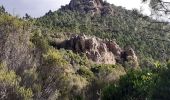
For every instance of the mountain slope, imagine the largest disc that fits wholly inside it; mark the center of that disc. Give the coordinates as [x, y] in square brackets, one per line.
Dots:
[32, 68]
[50, 58]
[99, 18]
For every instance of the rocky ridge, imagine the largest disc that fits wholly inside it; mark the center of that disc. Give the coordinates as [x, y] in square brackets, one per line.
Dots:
[90, 6]
[100, 51]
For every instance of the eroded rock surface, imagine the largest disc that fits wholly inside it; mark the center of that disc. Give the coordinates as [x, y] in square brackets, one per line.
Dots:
[100, 51]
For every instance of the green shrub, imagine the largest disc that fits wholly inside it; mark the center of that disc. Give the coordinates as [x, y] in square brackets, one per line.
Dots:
[86, 72]
[30, 79]
[26, 94]
[162, 89]
[8, 77]
[40, 41]
[11, 83]
[106, 71]
[133, 86]
[9, 23]
[54, 57]
[75, 59]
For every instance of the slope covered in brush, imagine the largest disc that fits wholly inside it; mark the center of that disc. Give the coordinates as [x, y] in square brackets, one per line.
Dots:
[149, 38]
[30, 68]
[39, 60]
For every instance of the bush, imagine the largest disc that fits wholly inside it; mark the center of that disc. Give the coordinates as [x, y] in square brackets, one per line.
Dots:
[10, 86]
[107, 72]
[162, 89]
[75, 59]
[54, 57]
[85, 72]
[40, 41]
[9, 23]
[133, 86]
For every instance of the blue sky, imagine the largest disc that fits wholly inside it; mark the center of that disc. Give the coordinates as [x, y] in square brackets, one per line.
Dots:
[38, 8]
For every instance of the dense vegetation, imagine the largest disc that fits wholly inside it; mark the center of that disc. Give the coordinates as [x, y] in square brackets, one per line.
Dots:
[135, 85]
[127, 27]
[59, 74]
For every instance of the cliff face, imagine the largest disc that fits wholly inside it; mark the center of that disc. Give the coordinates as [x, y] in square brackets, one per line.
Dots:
[100, 51]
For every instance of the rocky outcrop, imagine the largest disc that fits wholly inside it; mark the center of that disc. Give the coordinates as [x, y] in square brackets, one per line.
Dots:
[100, 51]
[131, 57]
[90, 6]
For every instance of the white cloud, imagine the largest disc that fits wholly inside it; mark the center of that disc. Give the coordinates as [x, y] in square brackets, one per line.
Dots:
[130, 4]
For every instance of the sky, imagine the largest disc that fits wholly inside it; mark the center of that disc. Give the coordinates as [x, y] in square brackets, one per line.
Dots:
[37, 8]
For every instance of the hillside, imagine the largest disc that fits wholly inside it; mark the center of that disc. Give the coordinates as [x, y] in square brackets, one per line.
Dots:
[105, 20]
[32, 68]
[86, 50]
